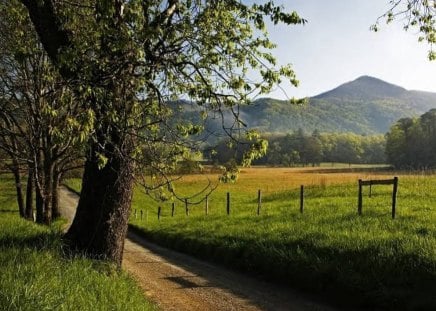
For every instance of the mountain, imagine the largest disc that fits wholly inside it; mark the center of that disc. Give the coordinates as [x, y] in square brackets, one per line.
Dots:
[364, 87]
[366, 105]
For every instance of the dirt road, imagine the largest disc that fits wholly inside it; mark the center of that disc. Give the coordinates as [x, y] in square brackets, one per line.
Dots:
[178, 282]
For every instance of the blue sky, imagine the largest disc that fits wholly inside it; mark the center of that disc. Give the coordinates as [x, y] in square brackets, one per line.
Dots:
[336, 46]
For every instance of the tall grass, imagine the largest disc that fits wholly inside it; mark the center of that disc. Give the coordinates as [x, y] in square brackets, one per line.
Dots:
[370, 261]
[35, 274]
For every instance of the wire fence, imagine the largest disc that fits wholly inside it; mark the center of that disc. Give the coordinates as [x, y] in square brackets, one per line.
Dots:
[300, 197]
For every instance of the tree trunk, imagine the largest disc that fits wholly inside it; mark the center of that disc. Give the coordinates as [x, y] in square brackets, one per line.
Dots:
[17, 177]
[100, 225]
[56, 213]
[48, 191]
[39, 188]
[39, 204]
[29, 194]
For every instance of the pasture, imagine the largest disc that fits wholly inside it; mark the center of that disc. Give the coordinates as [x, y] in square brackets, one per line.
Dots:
[369, 260]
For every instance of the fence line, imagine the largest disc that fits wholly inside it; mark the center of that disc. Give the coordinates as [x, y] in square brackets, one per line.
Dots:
[361, 184]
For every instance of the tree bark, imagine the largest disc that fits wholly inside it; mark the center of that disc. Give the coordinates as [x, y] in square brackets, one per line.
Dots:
[39, 187]
[56, 213]
[29, 193]
[48, 191]
[18, 187]
[39, 204]
[100, 225]
[49, 27]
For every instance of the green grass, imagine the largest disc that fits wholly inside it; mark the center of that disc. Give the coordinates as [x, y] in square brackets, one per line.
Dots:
[370, 261]
[36, 275]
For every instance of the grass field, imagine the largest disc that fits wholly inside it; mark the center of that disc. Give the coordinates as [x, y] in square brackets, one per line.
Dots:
[36, 275]
[370, 261]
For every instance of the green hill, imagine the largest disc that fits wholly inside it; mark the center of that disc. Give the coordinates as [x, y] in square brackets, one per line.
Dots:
[365, 106]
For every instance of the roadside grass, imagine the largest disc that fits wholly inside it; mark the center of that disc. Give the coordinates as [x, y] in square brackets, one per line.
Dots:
[35, 274]
[369, 261]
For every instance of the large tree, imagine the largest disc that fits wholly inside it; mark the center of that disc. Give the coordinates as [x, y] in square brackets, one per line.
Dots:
[126, 61]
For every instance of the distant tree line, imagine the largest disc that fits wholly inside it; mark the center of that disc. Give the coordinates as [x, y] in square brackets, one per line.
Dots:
[411, 143]
[299, 148]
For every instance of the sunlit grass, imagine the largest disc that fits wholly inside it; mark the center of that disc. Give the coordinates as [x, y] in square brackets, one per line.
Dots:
[35, 274]
[369, 260]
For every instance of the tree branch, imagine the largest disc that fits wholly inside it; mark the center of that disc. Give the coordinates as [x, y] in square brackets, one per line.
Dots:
[50, 31]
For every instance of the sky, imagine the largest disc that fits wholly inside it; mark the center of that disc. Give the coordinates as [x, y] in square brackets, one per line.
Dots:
[337, 46]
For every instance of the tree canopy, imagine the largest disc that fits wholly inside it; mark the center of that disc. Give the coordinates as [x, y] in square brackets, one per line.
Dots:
[125, 63]
[410, 143]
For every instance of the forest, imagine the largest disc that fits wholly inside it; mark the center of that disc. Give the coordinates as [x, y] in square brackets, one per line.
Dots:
[298, 148]
[411, 144]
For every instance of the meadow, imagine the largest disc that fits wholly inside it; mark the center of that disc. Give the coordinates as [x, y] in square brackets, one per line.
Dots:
[368, 261]
[36, 274]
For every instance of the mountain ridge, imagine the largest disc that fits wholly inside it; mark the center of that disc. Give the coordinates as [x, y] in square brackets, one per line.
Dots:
[366, 105]
[379, 88]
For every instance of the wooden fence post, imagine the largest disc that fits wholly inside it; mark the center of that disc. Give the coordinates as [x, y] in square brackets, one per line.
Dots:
[359, 199]
[301, 199]
[158, 212]
[394, 196]
[141, 214]
[259, 201]
[186, 207]
[207, 205]
[228, 203]
[173, 207]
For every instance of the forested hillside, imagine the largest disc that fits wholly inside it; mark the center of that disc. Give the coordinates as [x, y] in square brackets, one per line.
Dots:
[364, 106]
[352, 119]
